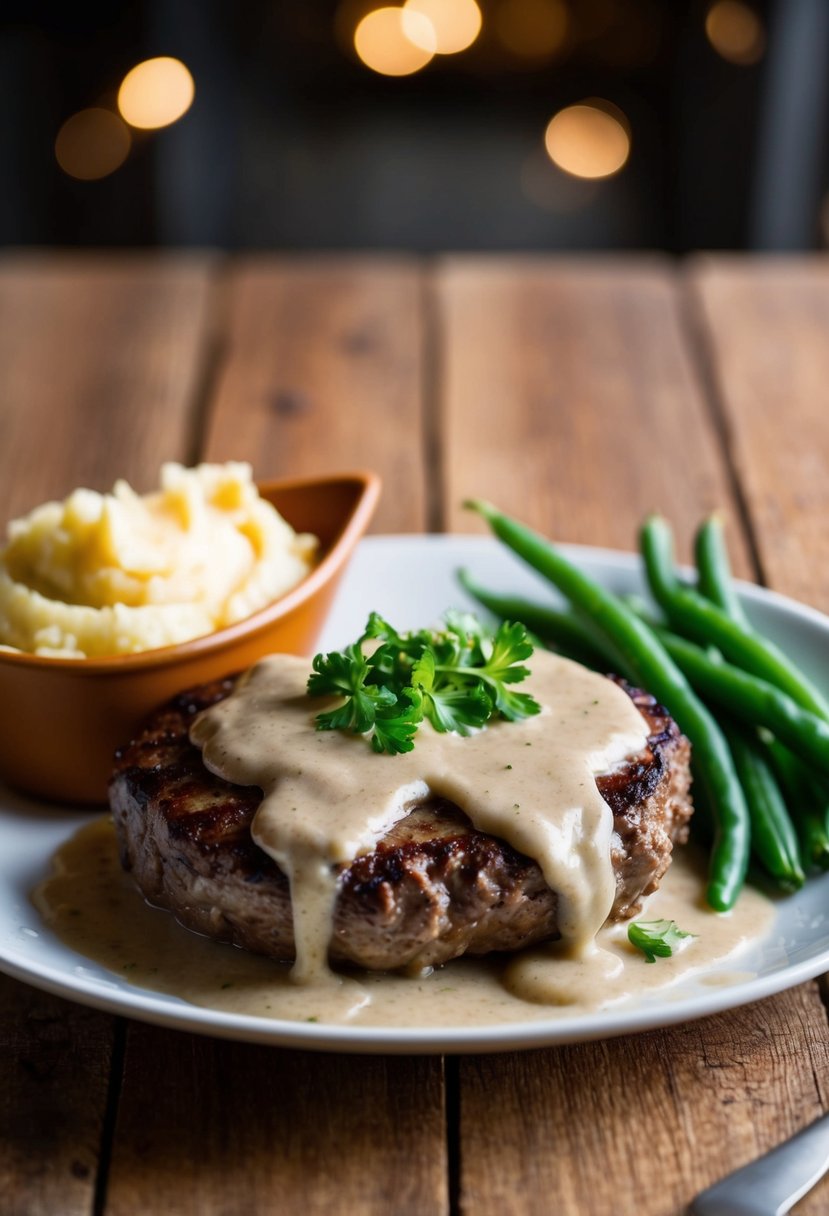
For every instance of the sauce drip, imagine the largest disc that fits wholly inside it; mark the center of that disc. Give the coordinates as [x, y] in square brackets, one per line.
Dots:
[328, 797]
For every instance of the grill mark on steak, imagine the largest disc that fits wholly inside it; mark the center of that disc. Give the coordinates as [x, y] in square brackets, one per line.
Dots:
[433, 888]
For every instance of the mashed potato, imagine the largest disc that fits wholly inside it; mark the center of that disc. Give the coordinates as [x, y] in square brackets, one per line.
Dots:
[105, 574]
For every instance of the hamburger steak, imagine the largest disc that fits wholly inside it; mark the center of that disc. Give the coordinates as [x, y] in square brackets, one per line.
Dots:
[433, 888]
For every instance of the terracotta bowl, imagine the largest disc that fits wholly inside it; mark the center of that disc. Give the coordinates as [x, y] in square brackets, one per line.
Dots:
[64, 718]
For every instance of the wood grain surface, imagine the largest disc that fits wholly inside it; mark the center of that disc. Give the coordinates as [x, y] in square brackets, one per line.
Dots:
[100, 366]
[569, 397]
[223, 1127]
[322, 370]
[55, 1064]
[764, 327]
[577, 394]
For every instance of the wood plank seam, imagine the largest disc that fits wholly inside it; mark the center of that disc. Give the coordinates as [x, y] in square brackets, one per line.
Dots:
[711, 389]
[452, 1120]
[110, 1121]
[212, 356]
[313, 345]
[432, 372]
[766, 321]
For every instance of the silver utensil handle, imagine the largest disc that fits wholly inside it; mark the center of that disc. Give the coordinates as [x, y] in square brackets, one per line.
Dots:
[772, 1184]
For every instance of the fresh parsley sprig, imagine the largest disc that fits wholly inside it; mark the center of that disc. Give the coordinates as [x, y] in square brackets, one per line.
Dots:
[455, 678]
[656, 938]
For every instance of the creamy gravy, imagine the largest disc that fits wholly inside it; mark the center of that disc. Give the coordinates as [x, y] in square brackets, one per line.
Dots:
[328, 797]
[96, 910]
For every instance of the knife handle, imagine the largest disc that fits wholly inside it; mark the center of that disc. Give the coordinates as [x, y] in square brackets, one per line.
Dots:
[772, 1184]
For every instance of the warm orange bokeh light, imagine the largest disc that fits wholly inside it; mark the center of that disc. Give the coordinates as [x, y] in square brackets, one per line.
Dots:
[735, 32]
[591, 139]
[455, 24]
[156, 93]
[533, 29]
[92, 144]
[383, 40]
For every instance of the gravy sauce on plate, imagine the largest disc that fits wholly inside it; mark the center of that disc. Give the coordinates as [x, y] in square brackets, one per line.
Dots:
[329, 797]
[94, 908]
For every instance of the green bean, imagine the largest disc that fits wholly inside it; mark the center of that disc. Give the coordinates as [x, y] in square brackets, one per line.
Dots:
[813, 827]
[689, 613]
[808, 800]
[651, 667]
[755, 702]
[773, 837]
[714, 570]
[803, 791]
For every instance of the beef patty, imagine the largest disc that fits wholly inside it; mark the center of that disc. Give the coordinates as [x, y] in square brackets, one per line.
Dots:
[432, 889]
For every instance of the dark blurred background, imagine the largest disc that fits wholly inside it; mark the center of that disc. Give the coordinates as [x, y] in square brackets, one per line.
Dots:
[508, 124]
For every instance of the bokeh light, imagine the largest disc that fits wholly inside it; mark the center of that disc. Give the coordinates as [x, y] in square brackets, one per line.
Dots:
[735, 32]
[591, 139]
[532, 29]
[384, 41]
[455, 24]
[92, 144]
[156, 93]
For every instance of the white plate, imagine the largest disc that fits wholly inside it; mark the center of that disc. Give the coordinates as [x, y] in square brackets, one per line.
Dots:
[411, 580]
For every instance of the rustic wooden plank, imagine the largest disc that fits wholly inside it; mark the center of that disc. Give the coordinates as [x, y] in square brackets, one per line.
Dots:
[570, 400]
[322, 371]
[54, 1070]
[570, 397]
[238, 1128]
[764, 325]
[320, 368]
[100, 362]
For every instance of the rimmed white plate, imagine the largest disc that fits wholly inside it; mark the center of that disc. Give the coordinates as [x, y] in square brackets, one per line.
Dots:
[411, 580]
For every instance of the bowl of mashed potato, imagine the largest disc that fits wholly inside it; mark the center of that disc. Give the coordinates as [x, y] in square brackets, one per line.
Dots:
[110, 603]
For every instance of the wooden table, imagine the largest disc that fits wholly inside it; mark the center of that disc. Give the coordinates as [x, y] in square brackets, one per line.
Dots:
[578, 394]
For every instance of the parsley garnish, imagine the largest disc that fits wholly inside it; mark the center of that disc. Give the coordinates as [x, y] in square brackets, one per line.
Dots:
[456, 678]
[656, 938]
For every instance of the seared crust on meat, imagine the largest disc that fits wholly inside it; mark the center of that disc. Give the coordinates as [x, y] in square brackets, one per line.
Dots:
[432, 889]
